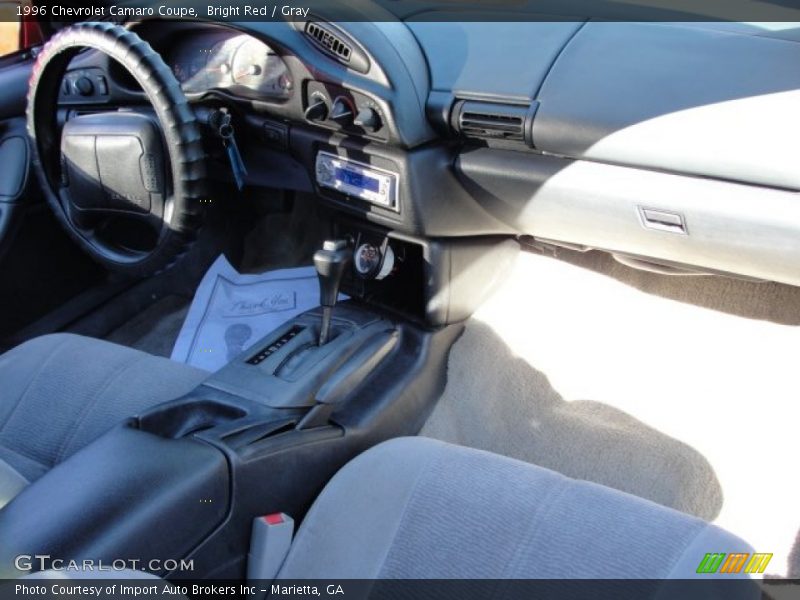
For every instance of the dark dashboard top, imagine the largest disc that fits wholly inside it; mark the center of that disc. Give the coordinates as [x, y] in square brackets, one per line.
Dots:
[275, 68]
[597, 90]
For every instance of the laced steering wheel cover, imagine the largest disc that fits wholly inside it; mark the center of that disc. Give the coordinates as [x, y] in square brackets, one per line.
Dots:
[182, 135]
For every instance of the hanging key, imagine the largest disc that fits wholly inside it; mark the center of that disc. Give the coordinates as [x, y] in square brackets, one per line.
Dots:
[222, 124]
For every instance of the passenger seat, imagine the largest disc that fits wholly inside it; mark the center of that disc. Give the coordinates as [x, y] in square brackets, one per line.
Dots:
[424, 509]
[417, 508]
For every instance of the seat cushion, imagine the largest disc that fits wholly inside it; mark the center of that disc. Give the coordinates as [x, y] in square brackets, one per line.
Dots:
[423, 509]
[59, 392]
[11, 483]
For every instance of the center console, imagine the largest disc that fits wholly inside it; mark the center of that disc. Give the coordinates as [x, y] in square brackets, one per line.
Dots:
[184, 480]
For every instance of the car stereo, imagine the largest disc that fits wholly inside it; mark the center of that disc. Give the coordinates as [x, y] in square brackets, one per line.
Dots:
[356, 179]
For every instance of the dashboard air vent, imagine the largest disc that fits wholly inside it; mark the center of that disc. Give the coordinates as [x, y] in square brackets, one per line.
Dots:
[493, 121]
[336, 45]
[329, 42]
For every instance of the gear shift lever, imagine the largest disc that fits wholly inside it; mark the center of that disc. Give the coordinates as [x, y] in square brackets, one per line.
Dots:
[330, 263]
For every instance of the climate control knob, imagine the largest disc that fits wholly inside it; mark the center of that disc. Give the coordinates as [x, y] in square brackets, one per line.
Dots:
[368, 119]
[342, 112]
[317, 110]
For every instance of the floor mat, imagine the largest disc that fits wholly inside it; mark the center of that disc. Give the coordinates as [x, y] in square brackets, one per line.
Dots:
[230, 311]
[690, 405]
[156, 328]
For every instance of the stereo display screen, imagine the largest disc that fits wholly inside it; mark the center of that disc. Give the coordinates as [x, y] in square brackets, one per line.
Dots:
[357, 180]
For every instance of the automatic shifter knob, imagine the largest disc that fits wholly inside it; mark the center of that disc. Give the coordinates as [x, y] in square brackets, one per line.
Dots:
[330, 263]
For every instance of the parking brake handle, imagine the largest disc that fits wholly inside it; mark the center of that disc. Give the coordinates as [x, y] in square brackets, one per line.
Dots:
[330, 263]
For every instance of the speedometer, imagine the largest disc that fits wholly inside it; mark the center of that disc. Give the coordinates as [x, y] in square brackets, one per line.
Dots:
[249, 62]
[258, 68]
[219, 63]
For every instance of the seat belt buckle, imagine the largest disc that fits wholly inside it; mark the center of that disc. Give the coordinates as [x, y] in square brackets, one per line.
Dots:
[270, 540]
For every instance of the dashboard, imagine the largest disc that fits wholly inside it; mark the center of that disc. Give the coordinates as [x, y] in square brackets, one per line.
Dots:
[235, 62]
[292, 73]
[434, 129]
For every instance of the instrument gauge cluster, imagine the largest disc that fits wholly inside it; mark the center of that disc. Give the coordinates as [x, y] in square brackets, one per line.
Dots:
[238, 63]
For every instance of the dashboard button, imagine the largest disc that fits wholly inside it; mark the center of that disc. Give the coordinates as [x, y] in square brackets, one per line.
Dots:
[276, 134]
[102, 85]
[84, 86]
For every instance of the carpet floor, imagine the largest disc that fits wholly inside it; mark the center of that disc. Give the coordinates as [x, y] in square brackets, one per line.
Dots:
[682, 390]
[156, 328]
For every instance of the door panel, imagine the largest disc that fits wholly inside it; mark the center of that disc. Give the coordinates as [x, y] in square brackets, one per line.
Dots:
[14, 83]
[40, 267]
[14, 147]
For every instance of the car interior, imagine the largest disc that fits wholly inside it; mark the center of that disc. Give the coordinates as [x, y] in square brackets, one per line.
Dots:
[554, 268]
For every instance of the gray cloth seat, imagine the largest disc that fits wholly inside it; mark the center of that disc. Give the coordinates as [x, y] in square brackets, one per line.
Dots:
[60, 392]
[424, 509]
[417, 508]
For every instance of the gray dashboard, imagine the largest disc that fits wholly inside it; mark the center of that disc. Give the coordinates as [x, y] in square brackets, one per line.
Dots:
[694, 122]
[708, 99]
[491, 60]
[671, 144]
[700, 100]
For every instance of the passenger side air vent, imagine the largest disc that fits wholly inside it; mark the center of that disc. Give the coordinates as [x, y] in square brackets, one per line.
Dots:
[336, 45]
[493, 121]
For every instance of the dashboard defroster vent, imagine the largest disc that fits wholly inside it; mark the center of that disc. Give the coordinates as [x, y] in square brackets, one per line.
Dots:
[336, 45]
[493, 121]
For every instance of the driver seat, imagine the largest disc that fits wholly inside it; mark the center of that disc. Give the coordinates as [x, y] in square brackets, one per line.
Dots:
[60, 392]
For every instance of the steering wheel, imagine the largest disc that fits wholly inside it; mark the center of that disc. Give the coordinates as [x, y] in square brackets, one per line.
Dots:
[126, 185]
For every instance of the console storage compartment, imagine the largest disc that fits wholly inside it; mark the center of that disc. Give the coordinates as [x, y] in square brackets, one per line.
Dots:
[129, 495]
